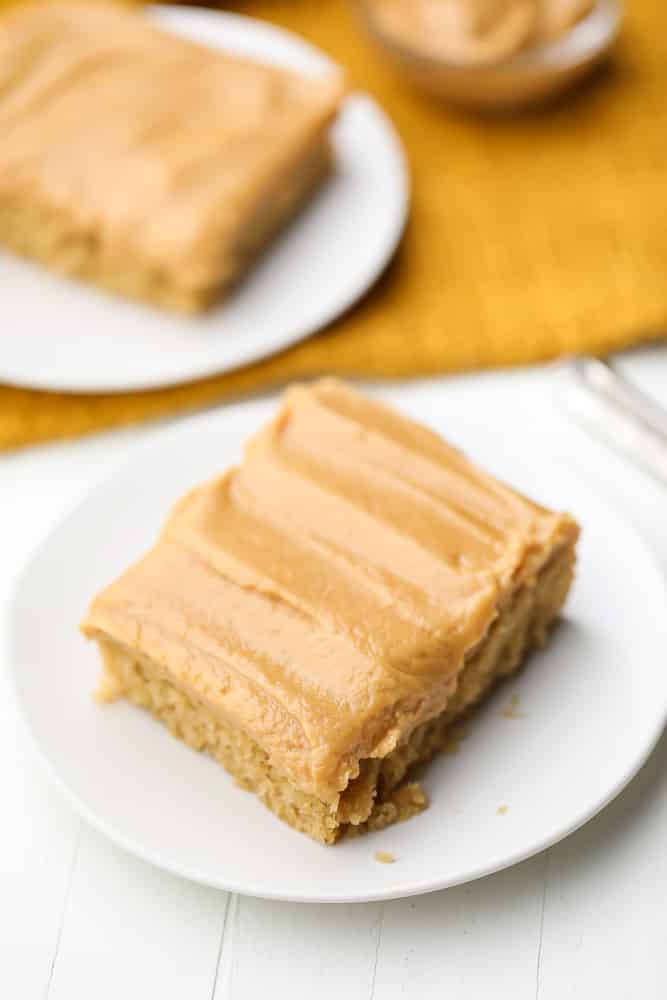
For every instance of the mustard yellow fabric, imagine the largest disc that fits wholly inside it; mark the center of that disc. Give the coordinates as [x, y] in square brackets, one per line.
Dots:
[529, 238]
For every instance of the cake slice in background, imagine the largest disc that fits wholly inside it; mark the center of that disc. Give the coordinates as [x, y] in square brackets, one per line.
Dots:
[142, 162]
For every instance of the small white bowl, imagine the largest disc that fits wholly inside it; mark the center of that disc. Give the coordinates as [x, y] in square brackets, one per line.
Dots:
[527, 78]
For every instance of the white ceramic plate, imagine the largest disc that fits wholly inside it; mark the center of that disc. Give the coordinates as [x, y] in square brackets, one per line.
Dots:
[62, 335]
[592, 704]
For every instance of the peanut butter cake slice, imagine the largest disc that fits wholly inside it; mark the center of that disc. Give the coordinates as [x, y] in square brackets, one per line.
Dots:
[143, 162]
[317, 618]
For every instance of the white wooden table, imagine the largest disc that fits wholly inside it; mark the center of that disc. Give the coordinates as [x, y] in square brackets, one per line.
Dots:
[81, 920]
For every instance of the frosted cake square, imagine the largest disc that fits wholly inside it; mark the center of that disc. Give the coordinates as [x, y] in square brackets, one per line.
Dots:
[317, 618]
[143, 162]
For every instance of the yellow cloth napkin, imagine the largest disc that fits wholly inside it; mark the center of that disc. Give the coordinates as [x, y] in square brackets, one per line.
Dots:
[529, 238]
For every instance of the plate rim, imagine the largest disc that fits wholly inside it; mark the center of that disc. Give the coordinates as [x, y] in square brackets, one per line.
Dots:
[171, 15]
[260, 891]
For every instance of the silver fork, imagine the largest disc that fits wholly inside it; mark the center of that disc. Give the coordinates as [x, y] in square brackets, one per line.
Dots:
[619, 413]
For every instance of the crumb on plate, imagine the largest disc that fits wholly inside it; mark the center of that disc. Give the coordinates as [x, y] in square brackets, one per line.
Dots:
[512, 710]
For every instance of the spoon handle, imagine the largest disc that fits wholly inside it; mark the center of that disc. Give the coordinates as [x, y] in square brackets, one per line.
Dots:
[619, 413]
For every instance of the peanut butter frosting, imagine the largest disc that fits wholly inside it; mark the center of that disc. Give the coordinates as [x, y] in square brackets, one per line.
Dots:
[322, 597]
[155, 145]
[477, 31]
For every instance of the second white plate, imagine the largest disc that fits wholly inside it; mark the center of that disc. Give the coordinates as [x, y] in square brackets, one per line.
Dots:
[592, 704]
[65, 336]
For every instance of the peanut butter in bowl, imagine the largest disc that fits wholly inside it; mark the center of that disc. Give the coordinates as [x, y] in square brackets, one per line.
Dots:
[472, 32]
[494, 53]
